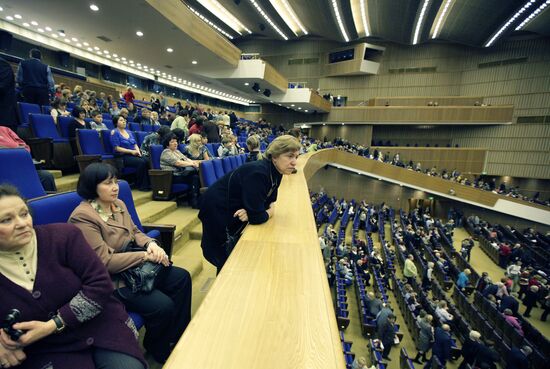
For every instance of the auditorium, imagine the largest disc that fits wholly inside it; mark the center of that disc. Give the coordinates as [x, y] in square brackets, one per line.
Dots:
[282, 184]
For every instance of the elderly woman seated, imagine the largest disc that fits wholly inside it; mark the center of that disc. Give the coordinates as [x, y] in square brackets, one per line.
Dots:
[66, 315]
[184, 169]
[108, 227]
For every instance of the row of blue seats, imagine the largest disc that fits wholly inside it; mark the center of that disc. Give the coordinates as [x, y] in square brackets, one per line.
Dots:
[212, 170]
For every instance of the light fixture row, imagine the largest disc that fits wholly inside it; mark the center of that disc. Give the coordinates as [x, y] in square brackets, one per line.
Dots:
[268, 19]
[60, 35]
[508, 23]
[210, 23]
[441, 18]
[339, 20]
[288, 15]
[419, 21]
[224, 15]
[533, 15]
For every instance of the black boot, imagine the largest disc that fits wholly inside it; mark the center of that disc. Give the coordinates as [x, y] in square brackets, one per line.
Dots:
[417, 358]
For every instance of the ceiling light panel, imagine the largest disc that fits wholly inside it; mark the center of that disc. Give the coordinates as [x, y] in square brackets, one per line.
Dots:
[360, 12]
[441, 17]
[224, 15]
[268, 19]
[420, 21]
[533, 15]
[289, 16]
[339, 20]
[509, 22]
[210, 23]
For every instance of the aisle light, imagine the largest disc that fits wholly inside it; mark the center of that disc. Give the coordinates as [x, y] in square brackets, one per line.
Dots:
[289, 16]
[509, 22]
[533, 15]
[339, 20]
[266, 17]
[439, 22]
[363, 7]
[224, 15]
[419, 21]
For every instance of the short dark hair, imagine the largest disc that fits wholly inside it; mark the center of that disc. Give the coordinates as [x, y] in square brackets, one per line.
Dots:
[94, 113]
[93, 175]
[57, 102]
[9, 190]
[169, 137]
[35, 53]
[183, 113]
[77, 110]
[180, 134]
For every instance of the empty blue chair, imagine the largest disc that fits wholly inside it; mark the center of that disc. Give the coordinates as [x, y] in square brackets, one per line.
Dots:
[109, 123]
[208, 175]
[89, 143]
[46, 109]
[63, 123]
[215, 147]
[24, 109]
[106, 139]
[161, 180]
[88, 120]
[147, 127]
[263, 146]
[234, 162]
[211, 149]
[44, 126]
[218, 168]
[140, 136]
[134, 126]
[19, 171]
[156, 127]
[106, 116]
[182, 147]
[226, 164]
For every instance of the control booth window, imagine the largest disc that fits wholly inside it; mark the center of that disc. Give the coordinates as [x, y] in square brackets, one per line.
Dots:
[339, 56]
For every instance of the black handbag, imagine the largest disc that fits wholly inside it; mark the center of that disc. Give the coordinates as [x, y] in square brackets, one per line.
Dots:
[140, 278]
[231, 239]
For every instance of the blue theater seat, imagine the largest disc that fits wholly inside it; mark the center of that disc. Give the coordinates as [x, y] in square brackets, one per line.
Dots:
[218, 168]
[109, 123]
[107, 116]
[140, 136]
[134, 126]
[207, 173]
[234, 162]
[226, 163]
[24, 109]
[63, 123]
[147, 128]
[48, 144]
[18, 170]
[46, 109]
[161, 180]
[43, 126]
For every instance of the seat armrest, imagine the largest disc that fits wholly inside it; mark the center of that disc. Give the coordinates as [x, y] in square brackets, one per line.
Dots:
[166, 235]
[41, 149]
[85, 160]
[161, 183]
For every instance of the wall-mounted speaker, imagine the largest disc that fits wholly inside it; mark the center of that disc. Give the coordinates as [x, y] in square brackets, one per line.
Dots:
[5, 40]
[256, 87]
[267, 92]
[262, 27]
[63, 59]
[106, 72]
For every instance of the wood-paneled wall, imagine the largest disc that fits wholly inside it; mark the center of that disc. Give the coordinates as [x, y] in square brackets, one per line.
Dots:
[357, 134]
[465, 160]
[424, 101]
[422, 114]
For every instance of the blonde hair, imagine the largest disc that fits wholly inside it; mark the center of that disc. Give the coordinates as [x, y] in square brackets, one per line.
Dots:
[282, 145]
[253, 144]
[195, 142]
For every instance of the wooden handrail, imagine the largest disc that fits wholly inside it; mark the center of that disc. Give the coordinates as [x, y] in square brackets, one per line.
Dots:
[270, 307]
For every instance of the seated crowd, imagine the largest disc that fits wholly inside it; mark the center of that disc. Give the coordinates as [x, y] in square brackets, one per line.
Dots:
[421, 239]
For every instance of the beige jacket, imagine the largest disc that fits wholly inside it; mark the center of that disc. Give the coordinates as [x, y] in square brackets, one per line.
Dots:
[108, 238]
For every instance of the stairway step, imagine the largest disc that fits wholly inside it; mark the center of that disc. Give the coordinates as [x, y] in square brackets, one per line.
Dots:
[196, 232]
[154, 210]
[141, 197]
[55, 173]
[67, 183]
[184, 218]
[189, 257]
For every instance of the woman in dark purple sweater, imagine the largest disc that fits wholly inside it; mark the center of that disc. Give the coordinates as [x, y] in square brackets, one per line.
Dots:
[69, 317]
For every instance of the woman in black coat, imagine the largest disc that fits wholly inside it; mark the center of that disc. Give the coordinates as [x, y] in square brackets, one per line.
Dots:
[244, 195]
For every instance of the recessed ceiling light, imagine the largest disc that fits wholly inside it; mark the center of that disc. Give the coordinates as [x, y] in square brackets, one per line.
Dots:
[94, 7]
[67, 40]
[292, 105]
[55, 35]
[299, 108]
[139, 33]
[115, 56]
[125, 62]
[105, 52]
[17, 16]
[90, 49]
[61, 33]
[79, 44]
[40, 30]
[123, 58]
[86, 44]
[306, 110]
[9, 17]
[74, 39]
[246, 84]
[138, 64]
[26, 24]
[49, 29]
[1, 9]
[194, 62]
[34, 23]
[108, 56]
[96, 48]
[170, 50]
